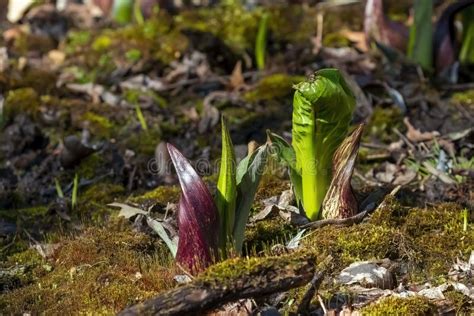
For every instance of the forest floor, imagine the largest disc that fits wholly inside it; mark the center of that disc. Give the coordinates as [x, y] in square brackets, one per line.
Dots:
[86, 107]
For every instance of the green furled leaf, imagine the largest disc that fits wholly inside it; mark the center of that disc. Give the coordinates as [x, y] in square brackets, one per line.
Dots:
[249, 172]
[340, 201]
[420, 44]
[261, 42]
[322, 112]
[226, 189]
[466, 55]
[286, 153]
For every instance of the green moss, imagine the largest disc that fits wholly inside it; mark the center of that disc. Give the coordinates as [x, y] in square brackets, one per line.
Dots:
[102, 193]
[102, 43]
[382, 123]
[270, 87]
[24, 212]
[76, 40]
[292, 23]
[335, 40]
[144, 142]
[42, 81]
[416, 306]
[233, 24]
[98, 124]
[464, 97]
[437, 234]
[224, 273]
[133, 55]
[459, 301]
[89, 166]
[23, 100]
[22, 268]
[262, 235]
[161, 195]
[428, 239]
[102, 270]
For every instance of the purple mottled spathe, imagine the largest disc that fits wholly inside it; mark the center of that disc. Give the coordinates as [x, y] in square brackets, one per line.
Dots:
[198, 220]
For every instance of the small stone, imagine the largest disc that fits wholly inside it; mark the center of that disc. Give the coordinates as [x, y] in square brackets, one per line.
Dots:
[367, 274]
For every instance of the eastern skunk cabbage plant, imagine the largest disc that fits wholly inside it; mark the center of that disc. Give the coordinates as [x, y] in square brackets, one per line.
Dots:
[322, 112]
[198, 219]
[212, 230]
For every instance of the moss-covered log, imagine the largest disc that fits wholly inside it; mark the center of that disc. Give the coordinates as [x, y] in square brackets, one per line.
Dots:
[230, 281]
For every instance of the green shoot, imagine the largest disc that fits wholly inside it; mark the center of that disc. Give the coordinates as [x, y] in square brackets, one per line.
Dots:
[59, 191]
[226, 190]
[261, 42]
[75, 188]
[140, 117]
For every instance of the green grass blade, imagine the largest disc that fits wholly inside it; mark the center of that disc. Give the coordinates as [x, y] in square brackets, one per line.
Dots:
[226, 189]
[140, 117]
[75, 188]
[59, 191]
[261, 42]
[420, 45]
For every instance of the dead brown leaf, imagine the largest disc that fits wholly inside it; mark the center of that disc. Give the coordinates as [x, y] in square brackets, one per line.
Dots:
[415, 135]
[236, 78]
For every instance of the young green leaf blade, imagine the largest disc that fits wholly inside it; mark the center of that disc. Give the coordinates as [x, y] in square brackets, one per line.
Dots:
[322, 112]
[340, 201]
[287, 154]
[226, 189]
[249, 173]
[420, 45]
[198, 218]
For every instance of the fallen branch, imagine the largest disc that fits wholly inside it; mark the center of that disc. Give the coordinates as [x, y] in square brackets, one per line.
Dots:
[350, 220]
[230, 281]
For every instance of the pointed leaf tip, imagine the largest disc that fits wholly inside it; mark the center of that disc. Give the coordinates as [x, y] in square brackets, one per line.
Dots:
[226, 189]
[340, 201]
[197, 246]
